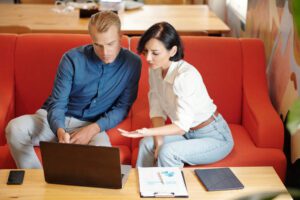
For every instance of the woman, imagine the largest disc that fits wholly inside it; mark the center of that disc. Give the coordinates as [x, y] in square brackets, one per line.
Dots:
[198, 134]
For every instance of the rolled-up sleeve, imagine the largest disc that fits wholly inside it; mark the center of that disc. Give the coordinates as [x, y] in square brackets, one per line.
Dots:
[185, 87]
[155, 106]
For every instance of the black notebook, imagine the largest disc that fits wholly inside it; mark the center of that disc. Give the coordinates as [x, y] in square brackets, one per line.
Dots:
[218, 179]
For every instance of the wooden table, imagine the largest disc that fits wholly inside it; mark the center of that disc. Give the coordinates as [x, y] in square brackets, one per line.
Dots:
[255, 180]
[187, 19]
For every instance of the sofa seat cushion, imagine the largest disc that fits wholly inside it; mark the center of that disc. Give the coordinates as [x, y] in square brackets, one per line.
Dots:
[245, 153]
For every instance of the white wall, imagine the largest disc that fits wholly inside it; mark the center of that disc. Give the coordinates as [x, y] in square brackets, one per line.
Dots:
[239, 7]
[218, 7]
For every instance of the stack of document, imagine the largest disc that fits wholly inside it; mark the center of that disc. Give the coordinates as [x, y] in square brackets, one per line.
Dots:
[161, 182]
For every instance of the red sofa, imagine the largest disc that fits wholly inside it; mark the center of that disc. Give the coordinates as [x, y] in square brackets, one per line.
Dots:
[233, 71]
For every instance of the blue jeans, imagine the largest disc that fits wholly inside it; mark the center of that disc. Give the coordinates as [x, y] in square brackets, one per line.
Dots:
[202, 146]
[24, 132]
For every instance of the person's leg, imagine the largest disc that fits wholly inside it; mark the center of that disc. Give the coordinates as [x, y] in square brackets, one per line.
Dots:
[23, 133]
[203, 146]
[100, 139]
[146, 153]
[146, 150]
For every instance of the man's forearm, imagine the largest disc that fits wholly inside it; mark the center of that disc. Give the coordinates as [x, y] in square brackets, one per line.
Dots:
[56, 120]
[112, 118]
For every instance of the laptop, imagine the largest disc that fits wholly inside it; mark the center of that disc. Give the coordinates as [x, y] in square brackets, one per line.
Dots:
[83, 165]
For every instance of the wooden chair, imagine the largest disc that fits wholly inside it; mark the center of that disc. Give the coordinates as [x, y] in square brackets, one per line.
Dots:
[14, 29]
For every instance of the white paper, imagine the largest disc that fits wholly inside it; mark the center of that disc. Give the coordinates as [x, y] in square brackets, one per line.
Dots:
[161, 181]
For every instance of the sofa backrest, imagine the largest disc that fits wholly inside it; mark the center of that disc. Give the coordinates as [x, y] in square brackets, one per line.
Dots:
[219, 61]
[140, 109]
[36, 61]
[7, 47]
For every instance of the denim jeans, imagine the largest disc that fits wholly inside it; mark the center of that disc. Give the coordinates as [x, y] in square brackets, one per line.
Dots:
[26, 131]
[202, 146]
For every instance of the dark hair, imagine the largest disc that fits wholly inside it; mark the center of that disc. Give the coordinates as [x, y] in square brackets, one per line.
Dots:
[165, 33]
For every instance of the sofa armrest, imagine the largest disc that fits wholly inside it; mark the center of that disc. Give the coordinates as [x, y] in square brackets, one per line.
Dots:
[259, 117]
[7, 47]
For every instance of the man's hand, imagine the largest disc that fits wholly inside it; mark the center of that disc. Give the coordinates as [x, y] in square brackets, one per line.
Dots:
[85, 134]
[63, 137]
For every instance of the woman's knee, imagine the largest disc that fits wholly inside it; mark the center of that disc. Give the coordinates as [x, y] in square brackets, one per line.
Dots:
[146, 142]
[230, 145]
[167, 156]
[166, 150]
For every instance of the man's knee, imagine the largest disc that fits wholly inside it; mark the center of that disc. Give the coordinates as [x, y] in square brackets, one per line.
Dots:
[14, 129]
[11, 129]
[100, 139]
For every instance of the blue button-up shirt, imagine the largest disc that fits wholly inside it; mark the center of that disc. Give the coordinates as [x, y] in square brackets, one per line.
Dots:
[90, 90]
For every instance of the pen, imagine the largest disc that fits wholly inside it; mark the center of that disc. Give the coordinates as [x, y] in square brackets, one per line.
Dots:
[161, 178]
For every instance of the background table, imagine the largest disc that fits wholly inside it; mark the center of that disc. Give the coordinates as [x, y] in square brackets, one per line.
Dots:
[187, 19]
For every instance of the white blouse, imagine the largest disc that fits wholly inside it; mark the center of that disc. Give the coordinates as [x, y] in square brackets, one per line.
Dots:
[181, 95]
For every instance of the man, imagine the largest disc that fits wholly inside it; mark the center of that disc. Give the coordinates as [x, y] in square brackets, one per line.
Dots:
[94, 89]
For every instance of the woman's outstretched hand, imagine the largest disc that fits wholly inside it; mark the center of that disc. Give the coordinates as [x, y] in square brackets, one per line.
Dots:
[133, 134]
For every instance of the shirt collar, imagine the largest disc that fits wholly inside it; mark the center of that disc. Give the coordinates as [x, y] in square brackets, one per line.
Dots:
[172, 72]
[116, 62]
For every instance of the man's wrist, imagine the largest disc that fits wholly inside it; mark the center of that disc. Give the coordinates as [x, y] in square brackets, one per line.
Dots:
[96, 127]
[60, 131]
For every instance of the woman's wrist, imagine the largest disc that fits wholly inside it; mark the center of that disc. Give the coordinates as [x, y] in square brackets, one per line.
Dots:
[144, 131]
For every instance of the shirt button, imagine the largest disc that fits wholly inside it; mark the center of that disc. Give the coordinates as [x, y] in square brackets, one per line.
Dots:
[94, 101]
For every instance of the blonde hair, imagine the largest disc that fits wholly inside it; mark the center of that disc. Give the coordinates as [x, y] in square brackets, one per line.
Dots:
[103, 20]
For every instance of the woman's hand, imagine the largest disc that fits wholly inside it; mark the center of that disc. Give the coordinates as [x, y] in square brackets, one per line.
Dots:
[134, 134]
